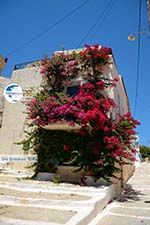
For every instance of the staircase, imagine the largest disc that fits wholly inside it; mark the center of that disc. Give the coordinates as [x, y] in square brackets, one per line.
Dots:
[28, 202]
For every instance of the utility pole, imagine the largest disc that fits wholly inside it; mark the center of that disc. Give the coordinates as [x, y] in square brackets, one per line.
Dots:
[148, 12]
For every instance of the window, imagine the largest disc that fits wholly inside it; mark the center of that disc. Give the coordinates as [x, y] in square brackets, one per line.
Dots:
[73, 88]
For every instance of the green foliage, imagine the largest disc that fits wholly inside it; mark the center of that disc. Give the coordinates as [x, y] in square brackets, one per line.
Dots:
[49, 145]
[56, 179]
[145, 151]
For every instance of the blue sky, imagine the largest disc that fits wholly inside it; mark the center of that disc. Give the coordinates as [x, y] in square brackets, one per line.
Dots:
[23, 20]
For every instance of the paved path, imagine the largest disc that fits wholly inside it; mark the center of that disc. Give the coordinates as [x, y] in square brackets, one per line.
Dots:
[133, 206]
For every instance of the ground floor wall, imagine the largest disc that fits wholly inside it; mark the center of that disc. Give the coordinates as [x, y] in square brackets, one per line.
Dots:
[14, 117]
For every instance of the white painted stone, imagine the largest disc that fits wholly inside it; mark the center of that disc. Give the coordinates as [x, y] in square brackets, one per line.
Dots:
[86, 209]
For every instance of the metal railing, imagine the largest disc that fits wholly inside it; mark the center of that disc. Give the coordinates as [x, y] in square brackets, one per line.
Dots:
[27, 65]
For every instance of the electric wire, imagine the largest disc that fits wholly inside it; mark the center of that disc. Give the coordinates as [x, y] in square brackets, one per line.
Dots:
[96, 22]
[49, 28]
[103, 19]
[138, 56]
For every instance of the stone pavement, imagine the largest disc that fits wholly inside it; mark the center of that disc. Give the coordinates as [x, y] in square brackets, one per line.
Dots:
[28, 202]
[133, 205]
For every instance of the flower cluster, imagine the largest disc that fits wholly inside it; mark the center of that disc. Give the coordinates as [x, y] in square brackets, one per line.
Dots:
[59, 69]
[96, 55]
[100, 142]
[88, 107]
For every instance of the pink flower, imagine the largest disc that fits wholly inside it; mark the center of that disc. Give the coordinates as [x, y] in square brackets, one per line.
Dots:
[33, 101]
[111, 142]
[66, 148]
[96, 149]
[100, 162]
[100, 85]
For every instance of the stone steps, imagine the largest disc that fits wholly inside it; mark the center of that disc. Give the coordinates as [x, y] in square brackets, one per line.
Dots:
[24, 201]
[133, 205]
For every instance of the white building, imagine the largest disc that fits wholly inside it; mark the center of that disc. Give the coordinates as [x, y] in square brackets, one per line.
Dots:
[28, 75]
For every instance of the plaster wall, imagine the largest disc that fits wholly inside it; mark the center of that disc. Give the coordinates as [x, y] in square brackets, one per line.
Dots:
[13, 122]
[118, 93]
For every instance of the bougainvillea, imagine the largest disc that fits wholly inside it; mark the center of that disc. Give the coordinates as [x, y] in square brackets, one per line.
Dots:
[101, 141]
[58, 70]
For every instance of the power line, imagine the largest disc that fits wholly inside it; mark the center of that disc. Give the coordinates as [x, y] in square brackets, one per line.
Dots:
[138, 56]
[97, 20]
[49, 28]
[103, 19]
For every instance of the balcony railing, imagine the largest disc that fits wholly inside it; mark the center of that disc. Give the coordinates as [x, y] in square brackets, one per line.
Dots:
[27, 65]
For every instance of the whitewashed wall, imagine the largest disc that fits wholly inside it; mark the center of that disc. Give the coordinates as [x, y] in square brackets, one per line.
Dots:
[13, 117]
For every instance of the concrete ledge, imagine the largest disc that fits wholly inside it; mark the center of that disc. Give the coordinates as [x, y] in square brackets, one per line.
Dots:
[70, 175]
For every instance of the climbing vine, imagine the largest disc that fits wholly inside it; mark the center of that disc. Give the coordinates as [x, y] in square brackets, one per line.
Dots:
[101, 140]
